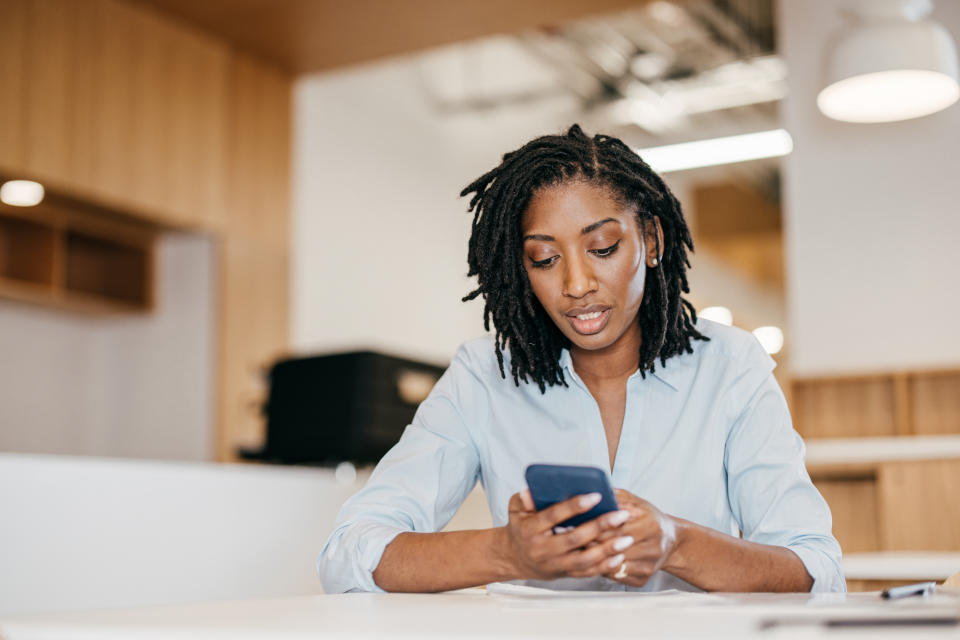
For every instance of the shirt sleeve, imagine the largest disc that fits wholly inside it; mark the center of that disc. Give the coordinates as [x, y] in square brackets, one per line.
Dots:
[770, 492]
[417, 486]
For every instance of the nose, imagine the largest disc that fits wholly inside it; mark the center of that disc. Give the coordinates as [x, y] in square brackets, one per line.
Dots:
[578, 278]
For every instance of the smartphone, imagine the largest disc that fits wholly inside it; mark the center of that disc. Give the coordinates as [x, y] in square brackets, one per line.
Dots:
[553, 483]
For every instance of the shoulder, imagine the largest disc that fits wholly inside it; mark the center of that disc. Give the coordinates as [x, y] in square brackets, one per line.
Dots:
[728, 355]
[737, 361]
[478, 358]
[730, 343]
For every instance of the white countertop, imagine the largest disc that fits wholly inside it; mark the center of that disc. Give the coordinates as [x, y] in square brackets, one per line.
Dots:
[901, 565]
[864, 450]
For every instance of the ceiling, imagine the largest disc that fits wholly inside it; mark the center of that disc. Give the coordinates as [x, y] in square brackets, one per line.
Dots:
[648, 71]
[303, 36]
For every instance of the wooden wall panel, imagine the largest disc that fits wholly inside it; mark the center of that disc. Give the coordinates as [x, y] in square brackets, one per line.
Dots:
[853, 503]
[118, 149]
[919, 505]
[161, 118]
[935, 402]
[254, 262]
[58, 90]
[845, 407]
[118, 105]
[13, 25]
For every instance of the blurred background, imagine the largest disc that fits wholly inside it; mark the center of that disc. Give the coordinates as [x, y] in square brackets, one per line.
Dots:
[232, 184]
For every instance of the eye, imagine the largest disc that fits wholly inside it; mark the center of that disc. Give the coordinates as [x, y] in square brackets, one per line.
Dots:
[542, 264]
[607, 251]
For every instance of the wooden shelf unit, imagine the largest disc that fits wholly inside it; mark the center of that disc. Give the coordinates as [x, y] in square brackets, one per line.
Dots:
[894, 502]
[901, 403]
[67, 256]
[893, 505]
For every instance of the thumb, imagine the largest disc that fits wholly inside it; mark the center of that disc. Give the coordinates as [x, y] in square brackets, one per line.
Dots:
[527, 500]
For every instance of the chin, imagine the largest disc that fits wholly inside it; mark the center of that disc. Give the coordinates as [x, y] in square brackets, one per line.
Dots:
[594, 342]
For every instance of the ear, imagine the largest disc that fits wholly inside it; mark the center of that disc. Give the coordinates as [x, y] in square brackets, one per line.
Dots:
[653, 239]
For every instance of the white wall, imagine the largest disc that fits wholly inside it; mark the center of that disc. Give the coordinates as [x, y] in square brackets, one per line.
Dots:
[123, 385]
[872, 220]
[380, 235]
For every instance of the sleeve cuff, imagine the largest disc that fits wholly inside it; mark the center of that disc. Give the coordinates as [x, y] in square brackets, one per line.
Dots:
[373, 539]
[825, 571]
[351, 555]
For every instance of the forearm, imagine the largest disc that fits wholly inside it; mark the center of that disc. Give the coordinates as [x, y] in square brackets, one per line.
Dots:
[715, 561]
[415, 562]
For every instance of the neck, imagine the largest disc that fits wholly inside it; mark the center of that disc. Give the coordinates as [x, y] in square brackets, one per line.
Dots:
[610, 364]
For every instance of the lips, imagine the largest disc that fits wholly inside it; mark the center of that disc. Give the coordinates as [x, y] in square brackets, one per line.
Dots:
[588, 320]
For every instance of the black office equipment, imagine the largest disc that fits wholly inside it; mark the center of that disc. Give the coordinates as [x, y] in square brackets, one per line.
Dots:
[347, 406]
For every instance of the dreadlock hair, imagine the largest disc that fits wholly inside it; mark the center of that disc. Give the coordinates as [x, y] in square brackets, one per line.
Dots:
[495, 256]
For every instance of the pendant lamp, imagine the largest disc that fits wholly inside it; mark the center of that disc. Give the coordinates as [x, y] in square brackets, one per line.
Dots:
[889, 62]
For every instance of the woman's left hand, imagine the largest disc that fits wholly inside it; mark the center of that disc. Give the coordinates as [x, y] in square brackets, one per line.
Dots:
[654, 538]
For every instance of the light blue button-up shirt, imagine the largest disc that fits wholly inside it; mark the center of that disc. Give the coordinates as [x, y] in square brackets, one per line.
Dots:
[707, 438]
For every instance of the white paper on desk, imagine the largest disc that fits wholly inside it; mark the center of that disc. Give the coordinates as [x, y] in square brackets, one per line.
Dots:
[630, 598]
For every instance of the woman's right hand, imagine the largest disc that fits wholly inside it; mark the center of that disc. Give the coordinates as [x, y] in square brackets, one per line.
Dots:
[535, 551]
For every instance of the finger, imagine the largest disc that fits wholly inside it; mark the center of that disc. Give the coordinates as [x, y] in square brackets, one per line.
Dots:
[590, 531]
[589, 565]
[561, 511]
[527, 500]
[516, 504]
[613, 520]
[633, 572]
[598, 559]
[645, 550]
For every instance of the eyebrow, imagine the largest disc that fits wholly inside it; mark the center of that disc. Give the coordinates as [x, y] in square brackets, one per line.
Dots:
[587, 229]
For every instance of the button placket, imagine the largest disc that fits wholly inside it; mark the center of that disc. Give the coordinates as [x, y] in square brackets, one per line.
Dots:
[593, 426]
[633, 412]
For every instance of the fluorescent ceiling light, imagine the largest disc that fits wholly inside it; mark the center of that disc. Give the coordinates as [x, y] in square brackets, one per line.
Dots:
[21, 193]
[717, 314]
[715, 151]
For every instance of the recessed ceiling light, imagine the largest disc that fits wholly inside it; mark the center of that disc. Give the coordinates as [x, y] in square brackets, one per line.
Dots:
[717, 314]
[771, 338]
[21, 193]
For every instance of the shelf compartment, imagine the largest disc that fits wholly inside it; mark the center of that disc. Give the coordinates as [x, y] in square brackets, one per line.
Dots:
[26, 251]
[107, 269]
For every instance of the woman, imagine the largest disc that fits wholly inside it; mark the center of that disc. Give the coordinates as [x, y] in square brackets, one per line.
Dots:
[579, 249]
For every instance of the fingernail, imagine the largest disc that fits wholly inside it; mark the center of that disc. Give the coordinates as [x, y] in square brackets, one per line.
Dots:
[616, 560]
[617, 518]
[622, 543]
[589, 500]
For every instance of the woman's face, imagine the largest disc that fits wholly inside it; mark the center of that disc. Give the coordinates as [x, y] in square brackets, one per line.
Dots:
[586, 261]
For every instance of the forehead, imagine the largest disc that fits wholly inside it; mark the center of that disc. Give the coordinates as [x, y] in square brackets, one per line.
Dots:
[571, 206]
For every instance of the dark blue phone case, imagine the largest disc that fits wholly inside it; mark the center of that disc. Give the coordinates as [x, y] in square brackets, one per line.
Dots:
[552, 483]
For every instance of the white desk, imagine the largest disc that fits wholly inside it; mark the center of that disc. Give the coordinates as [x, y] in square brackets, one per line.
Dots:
[474, 614]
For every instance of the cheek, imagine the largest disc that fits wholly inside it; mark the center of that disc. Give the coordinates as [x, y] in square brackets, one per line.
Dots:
[630, 278]
[538, 284]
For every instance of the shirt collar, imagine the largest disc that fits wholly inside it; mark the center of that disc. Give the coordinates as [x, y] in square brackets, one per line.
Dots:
[669, 375]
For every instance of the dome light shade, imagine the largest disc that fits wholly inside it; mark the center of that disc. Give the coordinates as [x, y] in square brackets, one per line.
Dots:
[21, 193]
[885, 66]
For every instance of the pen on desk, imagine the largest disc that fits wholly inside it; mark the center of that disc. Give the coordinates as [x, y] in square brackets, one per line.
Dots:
[919, 589]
